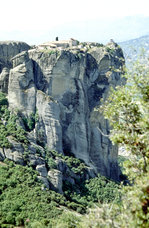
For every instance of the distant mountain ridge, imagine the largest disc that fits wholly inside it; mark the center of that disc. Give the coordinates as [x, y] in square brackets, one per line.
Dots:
[132, 48]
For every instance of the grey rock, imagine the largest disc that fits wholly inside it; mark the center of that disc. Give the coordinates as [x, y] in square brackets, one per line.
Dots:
[50, 131]
[21, 89]
[2, 154]
[4, 77]
[44, 181]
[15, 156]
[61, 165]
[55, 178]
[20, 58]
[34, 160]
[8, 49]
[42, 170]
[15, 153]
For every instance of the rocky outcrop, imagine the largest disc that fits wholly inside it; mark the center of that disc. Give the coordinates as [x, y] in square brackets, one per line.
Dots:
[64, 88]
[8, 49]
[21, 89]
[56, 179]
[4, 78]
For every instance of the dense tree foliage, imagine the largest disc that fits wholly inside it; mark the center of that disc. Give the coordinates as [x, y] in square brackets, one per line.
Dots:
[127, 109]
[23, 202]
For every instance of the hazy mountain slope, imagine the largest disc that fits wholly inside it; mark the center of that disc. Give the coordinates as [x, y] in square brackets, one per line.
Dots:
[132, 48]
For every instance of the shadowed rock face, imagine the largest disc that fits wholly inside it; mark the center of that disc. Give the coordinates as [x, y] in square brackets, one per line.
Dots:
[65, 87]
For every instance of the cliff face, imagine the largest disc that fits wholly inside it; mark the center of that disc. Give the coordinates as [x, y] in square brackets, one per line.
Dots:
[63, 86]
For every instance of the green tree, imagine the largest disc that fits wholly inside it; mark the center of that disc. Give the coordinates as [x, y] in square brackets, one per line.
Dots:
[127, 110]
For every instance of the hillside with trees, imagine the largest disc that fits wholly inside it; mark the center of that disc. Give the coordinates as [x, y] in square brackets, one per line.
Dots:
[41, 187]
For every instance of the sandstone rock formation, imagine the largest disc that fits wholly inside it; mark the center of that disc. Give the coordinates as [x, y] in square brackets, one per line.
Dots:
[63, 87]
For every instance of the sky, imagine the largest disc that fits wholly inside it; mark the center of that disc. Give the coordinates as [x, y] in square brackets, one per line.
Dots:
[38, 21]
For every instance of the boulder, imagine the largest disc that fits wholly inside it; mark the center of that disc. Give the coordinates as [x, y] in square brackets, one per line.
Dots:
[55, 178]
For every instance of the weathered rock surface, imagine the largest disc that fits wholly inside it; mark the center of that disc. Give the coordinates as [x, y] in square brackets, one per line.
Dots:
[22, 91]
[15, 153]
[4, 78]
[8, 49]
[55, 177]
[64, 87]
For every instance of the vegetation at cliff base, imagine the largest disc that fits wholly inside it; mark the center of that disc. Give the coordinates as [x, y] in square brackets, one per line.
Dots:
[22, 199]
[24, 202]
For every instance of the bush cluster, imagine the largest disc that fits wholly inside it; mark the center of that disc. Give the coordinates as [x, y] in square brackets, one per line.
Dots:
[23, 202]
[75, 164]
[29, 122]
